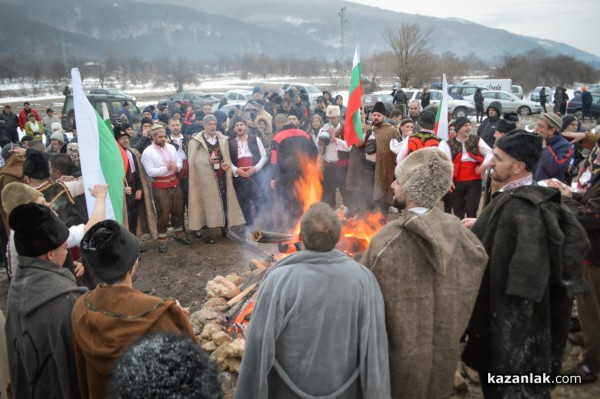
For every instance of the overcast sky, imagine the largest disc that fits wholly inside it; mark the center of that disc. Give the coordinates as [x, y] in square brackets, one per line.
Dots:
[568, 21]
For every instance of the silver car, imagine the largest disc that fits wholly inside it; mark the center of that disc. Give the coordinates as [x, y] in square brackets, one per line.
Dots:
[510, 102]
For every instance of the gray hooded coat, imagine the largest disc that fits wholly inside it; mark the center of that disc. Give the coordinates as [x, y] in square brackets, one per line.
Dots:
[317, 331]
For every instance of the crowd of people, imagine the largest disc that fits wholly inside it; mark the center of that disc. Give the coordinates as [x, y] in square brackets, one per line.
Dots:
[484, 262]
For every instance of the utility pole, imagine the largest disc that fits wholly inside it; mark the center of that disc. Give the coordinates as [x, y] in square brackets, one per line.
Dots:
[343, 20]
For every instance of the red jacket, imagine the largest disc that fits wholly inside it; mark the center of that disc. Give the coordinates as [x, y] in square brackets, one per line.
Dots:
[23, 117]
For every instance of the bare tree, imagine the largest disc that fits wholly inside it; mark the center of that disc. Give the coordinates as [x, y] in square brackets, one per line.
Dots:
[411, 52]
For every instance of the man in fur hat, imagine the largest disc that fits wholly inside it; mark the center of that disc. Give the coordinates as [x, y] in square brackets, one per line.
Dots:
[107, 320]
[429, 269]
[335, 156]
[161, 163]
[212, 200]
[248, 157]
[536, 248]
[40, 299]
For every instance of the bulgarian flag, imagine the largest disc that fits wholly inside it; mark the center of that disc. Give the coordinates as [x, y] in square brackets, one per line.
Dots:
[100, 154]
[441, 119]
[353, 125]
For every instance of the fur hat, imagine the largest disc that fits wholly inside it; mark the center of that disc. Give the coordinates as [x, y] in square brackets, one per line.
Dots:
[425, 176]
[209, 118]
[7, 150]
[157, 128]
[36, 166]
[58, 136]
[119, 132]
[333, 110]
[110, 250]
[56, 126]
[145, 120]
[379, 107]
[553, 120]
[505, 126]
[17, 193]
[459, 122]
[523, 146]
[37, 229]
[427, 121]
[73, 152]
[236, 119]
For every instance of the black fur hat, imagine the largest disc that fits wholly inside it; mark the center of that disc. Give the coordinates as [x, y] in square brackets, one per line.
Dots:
[379, 107]
[427, 121]
[36, 166]
[522, 145]
[37, 229]
[110, 250]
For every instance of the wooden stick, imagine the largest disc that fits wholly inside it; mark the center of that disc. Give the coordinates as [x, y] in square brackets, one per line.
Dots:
[239, 297]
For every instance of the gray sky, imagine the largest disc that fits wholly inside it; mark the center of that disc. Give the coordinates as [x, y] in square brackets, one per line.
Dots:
[575, 19]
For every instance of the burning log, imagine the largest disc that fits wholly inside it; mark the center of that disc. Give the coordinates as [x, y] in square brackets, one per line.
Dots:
[269, 237]
[241, 295]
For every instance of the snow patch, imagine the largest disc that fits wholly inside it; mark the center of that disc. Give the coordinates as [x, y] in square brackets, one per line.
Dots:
[545, 44]
[296, 21]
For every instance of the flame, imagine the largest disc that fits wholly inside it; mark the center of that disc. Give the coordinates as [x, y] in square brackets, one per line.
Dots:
[357, 232]
[308, 187]
[240, 323]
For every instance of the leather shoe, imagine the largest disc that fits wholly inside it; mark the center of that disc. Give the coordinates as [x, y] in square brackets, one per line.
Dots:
[162, 248]
[197, 233]
[183, 240]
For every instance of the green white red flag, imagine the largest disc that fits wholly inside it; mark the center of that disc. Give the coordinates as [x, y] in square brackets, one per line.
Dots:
[441, 119]
[99, 153]
[353, 125]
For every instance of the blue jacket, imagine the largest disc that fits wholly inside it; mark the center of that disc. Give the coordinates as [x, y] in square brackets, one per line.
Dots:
[586, 98]
[555, 159]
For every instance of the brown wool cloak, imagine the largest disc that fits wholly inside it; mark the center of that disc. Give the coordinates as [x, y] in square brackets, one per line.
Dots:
[107, 320]
[385, 162]
[429, 268]
[205, 206]
[147, 215]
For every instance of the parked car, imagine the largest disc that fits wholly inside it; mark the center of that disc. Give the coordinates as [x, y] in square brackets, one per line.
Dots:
[312, 90]
[510, 102]
[459, 92]
[238, 95]
[574, 106]
[535, 94]
[190, 97]
[369, 101]
[517, 91]
[112, 91]
[457, 108]
[99, 101]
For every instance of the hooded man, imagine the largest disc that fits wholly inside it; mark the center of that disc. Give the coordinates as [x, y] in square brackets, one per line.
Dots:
[108, 319]
[319, 289]
[212, 202]
[536, 247]
[429, 269]
[40, 298]
[488, 126]
[248, 157]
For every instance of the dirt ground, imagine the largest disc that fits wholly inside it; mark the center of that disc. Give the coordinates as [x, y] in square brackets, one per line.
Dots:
[183, 272]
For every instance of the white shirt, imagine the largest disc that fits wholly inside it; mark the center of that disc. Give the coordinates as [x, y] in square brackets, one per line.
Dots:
[330, 151]
[179, 141]
[403, 151]
[484, 150]
[155, 159]
[244, 152]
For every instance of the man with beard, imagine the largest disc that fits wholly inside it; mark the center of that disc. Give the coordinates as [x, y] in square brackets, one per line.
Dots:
[162, 163]
[536, 247]
[181, 145]
[381, 134]
[211, 202]
[248, 157]
[335, 155]
[429, 269]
